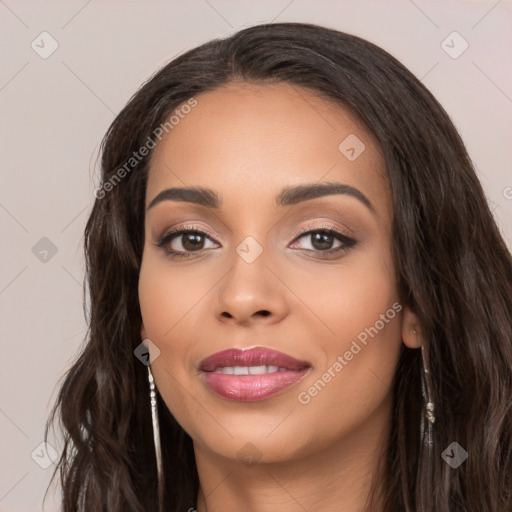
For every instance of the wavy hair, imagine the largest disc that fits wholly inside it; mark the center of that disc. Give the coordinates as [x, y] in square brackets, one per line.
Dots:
[453, 270]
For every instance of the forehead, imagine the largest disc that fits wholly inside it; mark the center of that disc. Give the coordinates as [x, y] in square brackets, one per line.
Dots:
[248, 141]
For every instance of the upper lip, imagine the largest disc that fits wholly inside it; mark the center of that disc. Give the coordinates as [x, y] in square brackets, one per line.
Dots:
[258, 356]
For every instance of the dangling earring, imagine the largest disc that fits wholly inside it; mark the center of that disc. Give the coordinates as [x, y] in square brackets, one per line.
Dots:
[426, 387]
[156, 436]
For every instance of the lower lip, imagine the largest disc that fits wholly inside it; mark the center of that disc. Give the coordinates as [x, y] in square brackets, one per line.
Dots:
[250, 388]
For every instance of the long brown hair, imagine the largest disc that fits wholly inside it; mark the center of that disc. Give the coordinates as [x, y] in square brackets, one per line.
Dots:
[454, 270]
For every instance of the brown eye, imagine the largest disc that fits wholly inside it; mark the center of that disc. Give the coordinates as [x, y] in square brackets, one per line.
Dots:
[192, 241]
[181, 242]
[324, 240]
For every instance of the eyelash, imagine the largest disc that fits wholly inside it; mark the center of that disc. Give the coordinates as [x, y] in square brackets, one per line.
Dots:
[347, 242]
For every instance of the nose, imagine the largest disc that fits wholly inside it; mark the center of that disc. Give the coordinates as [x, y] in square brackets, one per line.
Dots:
[251, 293]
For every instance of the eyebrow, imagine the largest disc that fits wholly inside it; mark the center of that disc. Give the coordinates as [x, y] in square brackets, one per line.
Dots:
[287, 197]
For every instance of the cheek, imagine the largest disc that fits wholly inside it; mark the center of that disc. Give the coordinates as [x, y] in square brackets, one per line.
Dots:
[173, 312]
[359, 342]
[342, 301]
[169, 298]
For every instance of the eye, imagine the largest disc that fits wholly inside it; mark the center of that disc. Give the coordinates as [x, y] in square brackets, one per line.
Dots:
[326, 241]
[181, 242]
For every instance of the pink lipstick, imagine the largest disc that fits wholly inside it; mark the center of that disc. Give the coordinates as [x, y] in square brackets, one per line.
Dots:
[251, 374]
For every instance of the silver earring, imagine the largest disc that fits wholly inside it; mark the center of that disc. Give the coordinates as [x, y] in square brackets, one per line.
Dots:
[156, 435]
[426, 386]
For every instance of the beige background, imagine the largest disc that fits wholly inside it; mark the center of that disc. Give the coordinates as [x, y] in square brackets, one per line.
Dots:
[55, 111]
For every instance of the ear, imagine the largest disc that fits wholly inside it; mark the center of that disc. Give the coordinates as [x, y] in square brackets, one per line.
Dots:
[143, 333]
[411, 329]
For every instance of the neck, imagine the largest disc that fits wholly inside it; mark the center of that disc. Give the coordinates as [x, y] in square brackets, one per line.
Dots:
[338, 477]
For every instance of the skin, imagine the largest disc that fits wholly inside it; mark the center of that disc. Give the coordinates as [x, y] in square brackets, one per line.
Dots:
[247, 142]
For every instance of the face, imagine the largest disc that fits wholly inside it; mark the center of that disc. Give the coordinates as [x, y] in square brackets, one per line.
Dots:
[306, 279]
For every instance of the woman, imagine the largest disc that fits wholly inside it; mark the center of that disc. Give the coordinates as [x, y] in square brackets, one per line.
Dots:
[299, 298]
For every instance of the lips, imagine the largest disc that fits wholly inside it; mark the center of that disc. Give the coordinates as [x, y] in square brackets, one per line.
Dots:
[251, 374]
[251, 357]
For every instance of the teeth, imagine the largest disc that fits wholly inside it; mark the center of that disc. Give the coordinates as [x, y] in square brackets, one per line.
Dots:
[257, 370]
[249, 370]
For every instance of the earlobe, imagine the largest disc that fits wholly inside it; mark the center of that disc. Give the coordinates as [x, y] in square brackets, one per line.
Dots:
[143, 331]
[411, 329]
